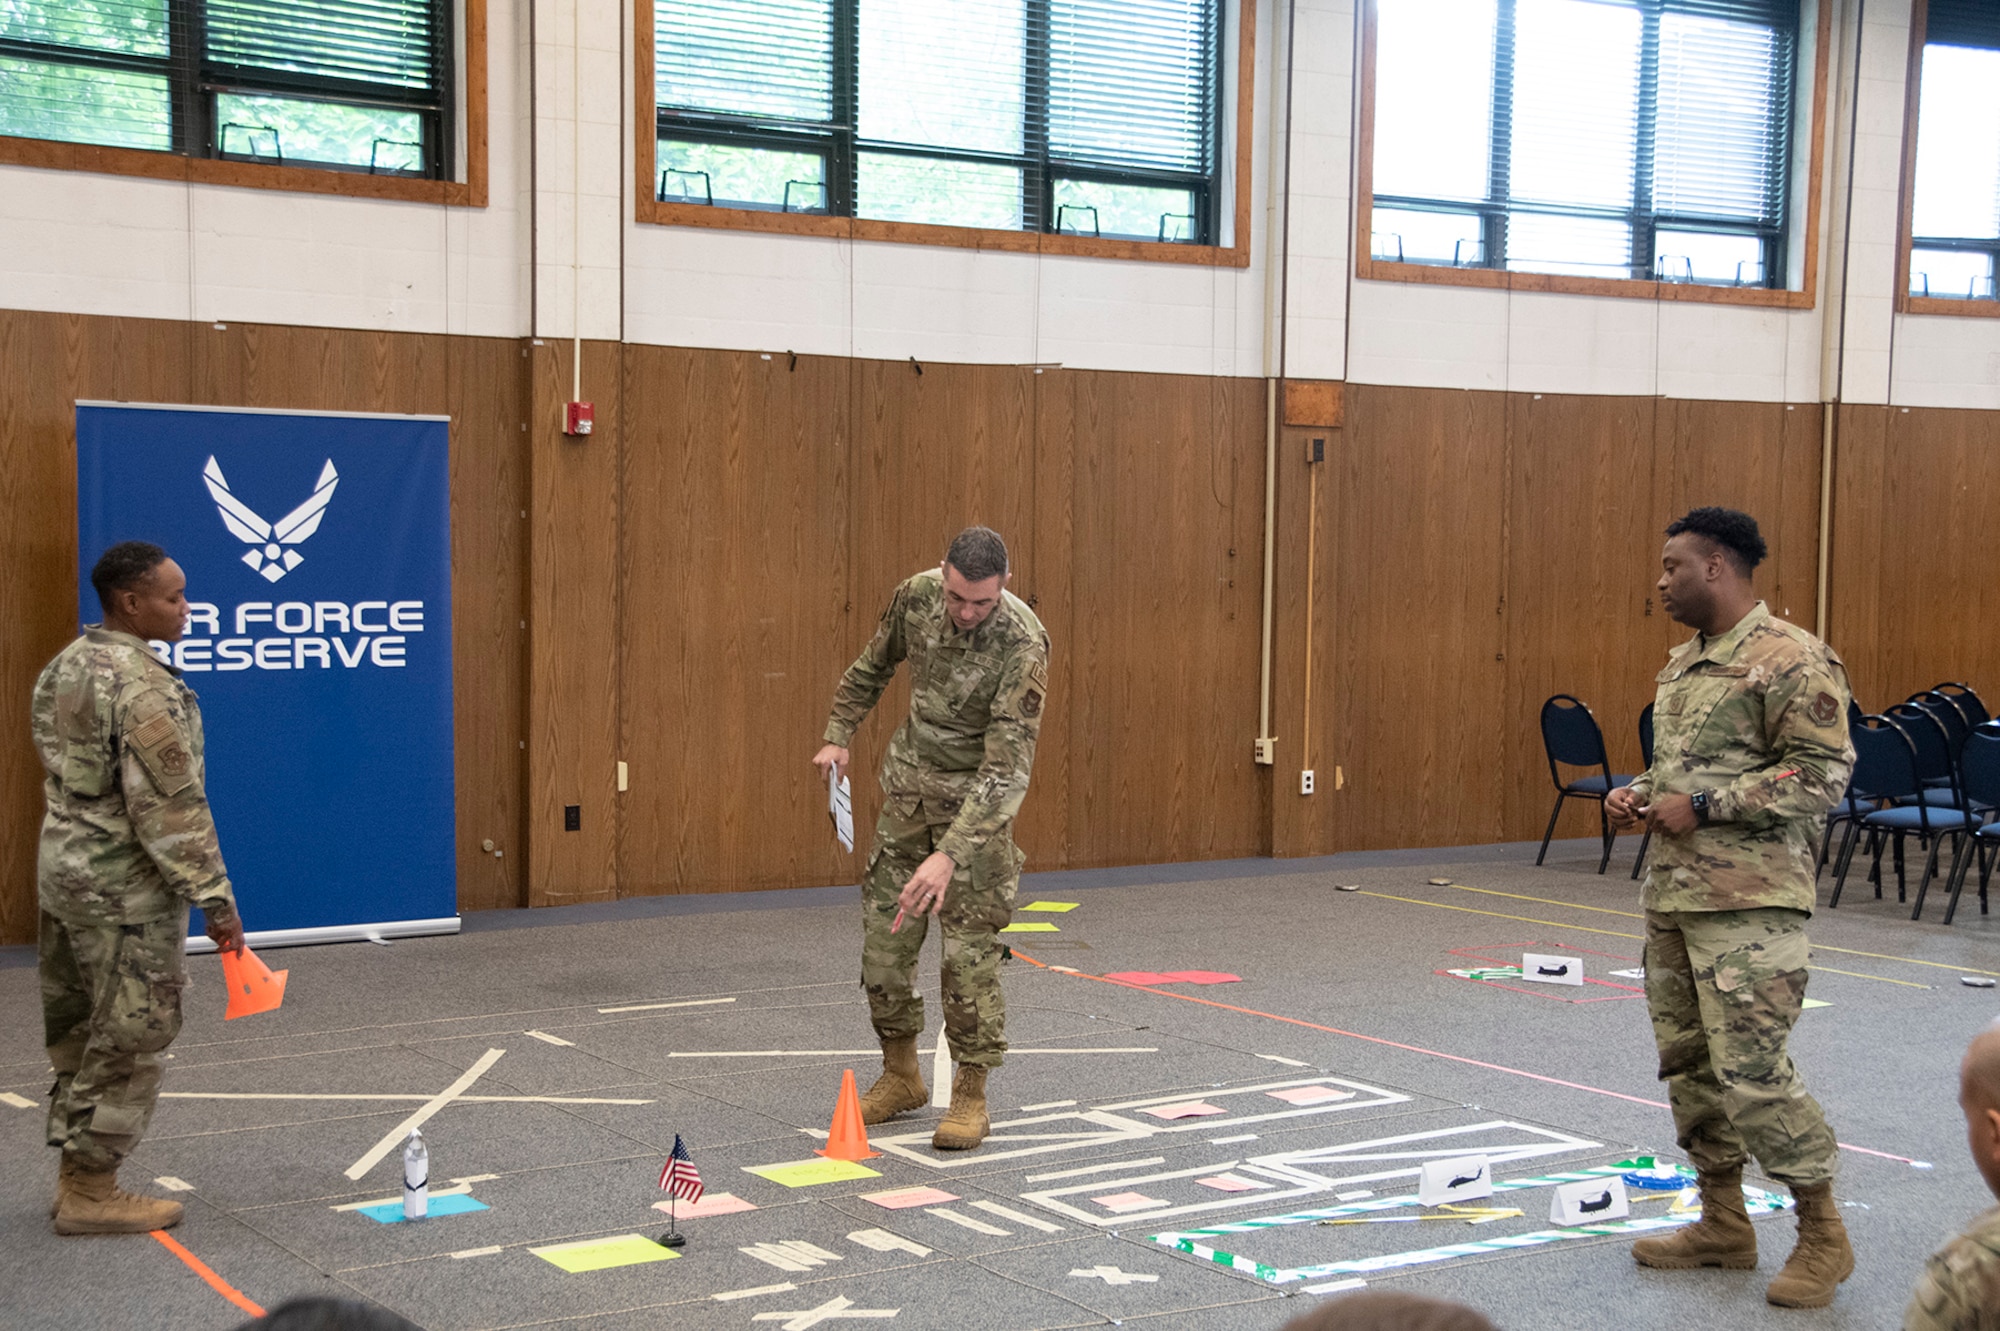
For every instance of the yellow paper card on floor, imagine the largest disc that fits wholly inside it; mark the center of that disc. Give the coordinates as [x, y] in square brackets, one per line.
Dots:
[603, 1254]
[1031, 927]
[807, 1173]
[1050, 907]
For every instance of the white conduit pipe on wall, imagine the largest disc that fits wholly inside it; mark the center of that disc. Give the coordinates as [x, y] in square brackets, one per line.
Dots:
[1277, 180]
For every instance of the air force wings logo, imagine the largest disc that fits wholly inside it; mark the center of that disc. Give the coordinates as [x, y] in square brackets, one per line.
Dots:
[267, 540]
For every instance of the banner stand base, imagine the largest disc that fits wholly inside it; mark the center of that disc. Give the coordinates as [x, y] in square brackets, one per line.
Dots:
[334, 933]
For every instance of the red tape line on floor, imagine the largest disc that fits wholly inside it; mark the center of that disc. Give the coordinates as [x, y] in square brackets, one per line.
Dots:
[200, 1268]
[1393, 1044]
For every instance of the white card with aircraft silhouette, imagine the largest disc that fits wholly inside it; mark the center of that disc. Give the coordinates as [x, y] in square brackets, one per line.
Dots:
[1589, 1202]
[1460, 1180]
[1551, 970]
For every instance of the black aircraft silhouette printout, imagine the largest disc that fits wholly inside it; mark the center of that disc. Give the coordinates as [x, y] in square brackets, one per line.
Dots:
[1540, 969]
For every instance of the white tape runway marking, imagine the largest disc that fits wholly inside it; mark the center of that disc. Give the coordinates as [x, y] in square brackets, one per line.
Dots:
[1288, 1062]
[976, 1226]
[18, 1101]
[172, 1184]
[655, 1007]
[729, 1294]
[476, 1252]
[857, 1053]
[1098, 1169]
[1053, 1104]
[546, 1038]
[395, 1135]
[1009, 1213]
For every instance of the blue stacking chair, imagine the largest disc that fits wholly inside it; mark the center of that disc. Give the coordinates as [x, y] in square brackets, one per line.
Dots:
[1854, 799]
[1979, 767]
[1885, 768]
[1968, 703]
[1571, 737]
[1646, 758]
[1897, 774]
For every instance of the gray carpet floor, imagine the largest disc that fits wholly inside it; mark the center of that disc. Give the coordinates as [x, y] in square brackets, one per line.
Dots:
[729, 1020]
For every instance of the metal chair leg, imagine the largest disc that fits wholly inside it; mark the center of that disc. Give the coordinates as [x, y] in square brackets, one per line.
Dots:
[1961, 864]
[1848, 841]
[1604, 830]
[1640, 862]
[1930, 868]
[1554, 813]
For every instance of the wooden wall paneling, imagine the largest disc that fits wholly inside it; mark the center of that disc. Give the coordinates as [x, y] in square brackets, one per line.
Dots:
[735, 573]
[1860, 524]
[1414, 690]
[574, 515]
[1164, 684]
[486, 386]
[1583, 555]
[47, 362]
[1048, 582]
[1936, 565]
[1762, 458]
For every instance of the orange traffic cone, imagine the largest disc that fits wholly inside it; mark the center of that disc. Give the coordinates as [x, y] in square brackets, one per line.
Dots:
[253, 986]
[847, 1139]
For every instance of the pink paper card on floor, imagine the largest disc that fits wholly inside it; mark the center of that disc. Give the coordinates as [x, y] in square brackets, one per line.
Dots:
[1309, 1095]
[1192, 1109]
[1202, 977]
[1140, 977]
[1230, 1183]
[899, 1198]
[1121, 1202]
[711, 1203]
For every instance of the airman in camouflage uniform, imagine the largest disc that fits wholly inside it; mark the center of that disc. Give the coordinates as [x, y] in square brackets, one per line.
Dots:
[127, 846]
[1960, 1287]
[953, 779]
[1750, 752]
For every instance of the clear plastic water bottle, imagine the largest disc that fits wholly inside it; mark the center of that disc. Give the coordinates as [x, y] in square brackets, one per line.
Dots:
[416, 1177]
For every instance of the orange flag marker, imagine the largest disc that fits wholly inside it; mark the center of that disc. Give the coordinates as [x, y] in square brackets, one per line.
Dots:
[848, 1137]
[255, 987]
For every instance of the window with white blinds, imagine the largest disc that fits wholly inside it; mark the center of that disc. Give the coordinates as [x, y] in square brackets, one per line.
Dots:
[363, 85]
[1088, 117]
[1601, 138]
[1955, 206]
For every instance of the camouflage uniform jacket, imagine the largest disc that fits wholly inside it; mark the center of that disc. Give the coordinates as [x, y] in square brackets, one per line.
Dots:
[1960, 1287]
[128, 837]
[975, 709]
[1758, 717]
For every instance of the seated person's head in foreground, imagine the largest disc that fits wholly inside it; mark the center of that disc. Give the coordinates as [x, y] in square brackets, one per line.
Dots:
[1389, 1310]
[317, 1314]
[1979, 1097]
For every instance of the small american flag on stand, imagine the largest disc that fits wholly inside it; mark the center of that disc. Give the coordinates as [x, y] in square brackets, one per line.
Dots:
[679, 1177]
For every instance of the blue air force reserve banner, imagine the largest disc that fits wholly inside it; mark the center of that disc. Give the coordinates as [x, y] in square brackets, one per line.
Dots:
[317, 549]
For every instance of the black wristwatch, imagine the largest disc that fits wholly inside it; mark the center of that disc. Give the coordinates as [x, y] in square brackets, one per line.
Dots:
[1700, 801]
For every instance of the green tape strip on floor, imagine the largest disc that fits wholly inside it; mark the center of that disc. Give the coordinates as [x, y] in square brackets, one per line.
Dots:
[1758, 1202]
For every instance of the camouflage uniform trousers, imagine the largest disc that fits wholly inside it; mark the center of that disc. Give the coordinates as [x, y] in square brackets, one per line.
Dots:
[977, 905]
[1724, 988]
[111, 1004]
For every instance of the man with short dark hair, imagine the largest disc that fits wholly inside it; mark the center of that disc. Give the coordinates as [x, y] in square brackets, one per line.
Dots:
[1750, 751]
[1960, 1287]
[128, 844]
[953, 778]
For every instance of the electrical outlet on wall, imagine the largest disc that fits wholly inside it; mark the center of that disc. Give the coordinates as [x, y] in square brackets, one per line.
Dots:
[1306, 782]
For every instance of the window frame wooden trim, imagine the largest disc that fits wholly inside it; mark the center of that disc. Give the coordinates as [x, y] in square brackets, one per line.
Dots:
[649, 209]
[1906, 240]
[56, 155]
[1367, 268]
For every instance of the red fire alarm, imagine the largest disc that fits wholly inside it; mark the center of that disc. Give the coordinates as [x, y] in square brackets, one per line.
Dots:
[577, 418]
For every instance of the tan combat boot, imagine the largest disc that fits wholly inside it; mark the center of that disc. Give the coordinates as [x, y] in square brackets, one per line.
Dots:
[901, 1085]
[965, 1124]
[64, 1173]
[95, 1204]
[1823, 1258]
[1722, 1237]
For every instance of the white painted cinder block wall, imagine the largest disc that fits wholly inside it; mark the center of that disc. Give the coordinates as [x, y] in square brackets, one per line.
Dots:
[555, 253]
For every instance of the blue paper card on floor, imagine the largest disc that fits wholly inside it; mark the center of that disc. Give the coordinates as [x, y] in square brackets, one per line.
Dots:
[391, 1213]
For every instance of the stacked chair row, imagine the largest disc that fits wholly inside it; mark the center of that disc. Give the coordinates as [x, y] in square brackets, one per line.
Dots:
[1928, 767]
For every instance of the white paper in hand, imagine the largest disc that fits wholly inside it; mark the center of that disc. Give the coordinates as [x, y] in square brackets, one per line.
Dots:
[840, 808]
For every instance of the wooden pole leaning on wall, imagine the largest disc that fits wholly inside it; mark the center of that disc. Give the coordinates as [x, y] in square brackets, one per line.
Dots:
[1826, 440]
[1314, 404]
